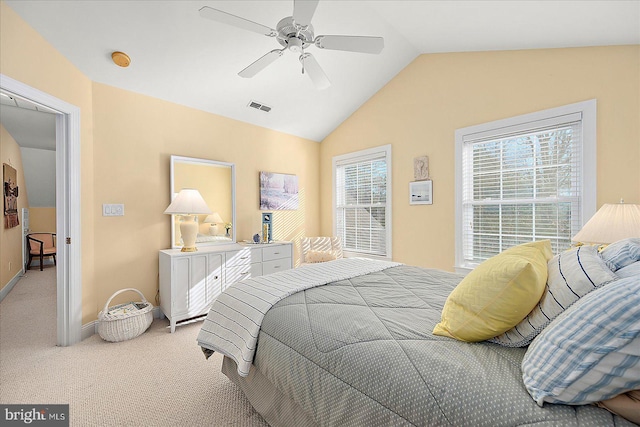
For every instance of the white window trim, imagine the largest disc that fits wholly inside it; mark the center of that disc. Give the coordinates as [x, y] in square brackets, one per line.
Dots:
[388, 212]
[588, 201]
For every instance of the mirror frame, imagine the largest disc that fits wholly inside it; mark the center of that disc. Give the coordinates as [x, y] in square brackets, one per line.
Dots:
[203, 162]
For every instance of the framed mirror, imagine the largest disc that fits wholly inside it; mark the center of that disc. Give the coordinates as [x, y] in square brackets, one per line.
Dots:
[216, 182]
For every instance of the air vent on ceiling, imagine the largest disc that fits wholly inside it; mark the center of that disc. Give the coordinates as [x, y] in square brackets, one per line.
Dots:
[259, 106]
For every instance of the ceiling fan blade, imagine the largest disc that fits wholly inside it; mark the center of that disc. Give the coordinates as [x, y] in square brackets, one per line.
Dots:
[317, 75]
[261, 64]
[236, 21]
[303, 11]
[363, 44]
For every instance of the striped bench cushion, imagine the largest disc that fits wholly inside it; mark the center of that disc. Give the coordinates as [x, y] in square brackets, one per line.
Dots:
[571, 275]
[591, 352]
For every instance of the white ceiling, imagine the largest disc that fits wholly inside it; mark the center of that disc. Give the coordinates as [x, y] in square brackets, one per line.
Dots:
[30, 125]
[180, 57]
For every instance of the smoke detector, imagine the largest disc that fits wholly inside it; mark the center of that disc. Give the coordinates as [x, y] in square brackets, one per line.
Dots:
[121, 59]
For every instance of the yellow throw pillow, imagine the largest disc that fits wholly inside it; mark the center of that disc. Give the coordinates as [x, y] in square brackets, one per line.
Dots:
[497, 294]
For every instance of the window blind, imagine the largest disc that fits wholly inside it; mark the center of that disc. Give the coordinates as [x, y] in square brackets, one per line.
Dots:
[361, 203]
[521, 184]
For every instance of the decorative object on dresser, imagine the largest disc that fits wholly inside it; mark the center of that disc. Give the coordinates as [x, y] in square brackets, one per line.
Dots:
[267, 225]
[278, 191]
[213, 219]
[188, 203]
[611, 223]
[191, 281]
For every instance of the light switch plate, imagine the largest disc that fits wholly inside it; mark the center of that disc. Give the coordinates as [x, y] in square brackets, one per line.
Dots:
[113, 209]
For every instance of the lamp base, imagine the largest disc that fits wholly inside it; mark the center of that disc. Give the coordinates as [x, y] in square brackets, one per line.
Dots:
[189, 232]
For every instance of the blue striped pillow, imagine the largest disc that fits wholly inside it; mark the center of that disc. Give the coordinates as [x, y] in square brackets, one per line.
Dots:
[571, 274]
[591, 352]
[621, 253]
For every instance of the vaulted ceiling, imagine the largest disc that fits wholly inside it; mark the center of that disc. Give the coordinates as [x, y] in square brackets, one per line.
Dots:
[179, 56]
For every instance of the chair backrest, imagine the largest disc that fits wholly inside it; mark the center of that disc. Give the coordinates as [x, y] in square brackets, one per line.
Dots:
[325, 244]
[46, 238]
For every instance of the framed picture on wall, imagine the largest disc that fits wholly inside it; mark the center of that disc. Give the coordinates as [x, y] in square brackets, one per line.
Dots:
[421, 193]
[278, 191]
[10, 192]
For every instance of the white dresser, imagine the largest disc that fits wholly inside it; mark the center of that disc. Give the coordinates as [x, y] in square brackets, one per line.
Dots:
[191, 281]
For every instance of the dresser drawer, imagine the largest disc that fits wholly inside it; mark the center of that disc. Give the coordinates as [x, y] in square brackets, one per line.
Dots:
[276, 265]
[276, 252]
[243, 257]
[237, 273]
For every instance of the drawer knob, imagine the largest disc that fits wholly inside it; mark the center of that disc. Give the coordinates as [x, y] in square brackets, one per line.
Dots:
[244, 257]
[246, 272]
[215, 277]
[277, 253]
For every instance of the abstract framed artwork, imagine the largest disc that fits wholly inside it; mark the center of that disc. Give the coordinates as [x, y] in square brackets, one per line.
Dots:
[421, 193]
[278, 191]
[10, 192]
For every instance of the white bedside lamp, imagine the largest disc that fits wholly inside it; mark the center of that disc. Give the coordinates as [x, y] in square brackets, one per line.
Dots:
[188, 203]
[214, 219]
[611, 223]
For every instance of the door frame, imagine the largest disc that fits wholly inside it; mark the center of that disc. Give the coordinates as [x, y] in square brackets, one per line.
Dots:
[68, 213]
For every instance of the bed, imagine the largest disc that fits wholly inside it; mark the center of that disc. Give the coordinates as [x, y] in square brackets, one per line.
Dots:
[357, 349]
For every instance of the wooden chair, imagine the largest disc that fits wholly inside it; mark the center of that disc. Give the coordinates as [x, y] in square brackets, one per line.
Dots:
[41, 245]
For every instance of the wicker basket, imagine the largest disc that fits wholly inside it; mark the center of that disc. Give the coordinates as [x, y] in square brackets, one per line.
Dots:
[127, 325]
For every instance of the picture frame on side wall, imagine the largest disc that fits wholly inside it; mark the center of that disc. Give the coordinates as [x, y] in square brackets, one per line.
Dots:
[421, 192]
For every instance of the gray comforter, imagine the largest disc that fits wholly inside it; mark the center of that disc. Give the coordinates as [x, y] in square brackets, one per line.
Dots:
[361, 352]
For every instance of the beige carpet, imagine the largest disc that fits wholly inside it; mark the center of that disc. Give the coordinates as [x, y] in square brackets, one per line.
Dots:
[156, 379]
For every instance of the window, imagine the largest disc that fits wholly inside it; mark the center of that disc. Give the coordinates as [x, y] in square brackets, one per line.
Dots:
[527, 178]
[362, 201]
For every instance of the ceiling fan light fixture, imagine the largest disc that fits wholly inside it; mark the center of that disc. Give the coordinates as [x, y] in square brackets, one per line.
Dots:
[295, 44]
[121, 59]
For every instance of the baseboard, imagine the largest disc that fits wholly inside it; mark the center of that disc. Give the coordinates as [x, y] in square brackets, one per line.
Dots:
[91, 328]
[7, 288]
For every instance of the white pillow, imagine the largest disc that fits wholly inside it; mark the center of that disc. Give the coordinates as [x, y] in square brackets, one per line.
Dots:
[319, 256]
[571, 275]
[591, 352]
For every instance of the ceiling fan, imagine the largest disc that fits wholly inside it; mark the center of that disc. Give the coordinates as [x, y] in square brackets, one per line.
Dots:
[295, 33]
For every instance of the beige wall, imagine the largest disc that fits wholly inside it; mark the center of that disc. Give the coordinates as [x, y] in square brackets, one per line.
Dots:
[42, 219]
[27, 57]
[11, 238]
[126, 142]
[420, 109]
[135, 136]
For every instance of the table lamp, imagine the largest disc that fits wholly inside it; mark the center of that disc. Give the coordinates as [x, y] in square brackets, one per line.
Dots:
[214, 219]
[611, 223]
[188, 203]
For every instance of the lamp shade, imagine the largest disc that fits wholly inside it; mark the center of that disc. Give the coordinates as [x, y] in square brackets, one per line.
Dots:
[214, 218]
[611, 223]
[188, 202]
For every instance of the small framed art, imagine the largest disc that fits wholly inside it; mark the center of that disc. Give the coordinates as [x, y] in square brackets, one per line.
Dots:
[421, 192]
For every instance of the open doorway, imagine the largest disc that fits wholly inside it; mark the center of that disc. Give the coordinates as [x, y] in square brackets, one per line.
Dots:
[67, 202]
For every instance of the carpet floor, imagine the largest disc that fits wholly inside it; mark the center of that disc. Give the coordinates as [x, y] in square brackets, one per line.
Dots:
[156, 379]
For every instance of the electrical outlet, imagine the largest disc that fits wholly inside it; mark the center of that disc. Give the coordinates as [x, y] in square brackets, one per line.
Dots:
[113, 209]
